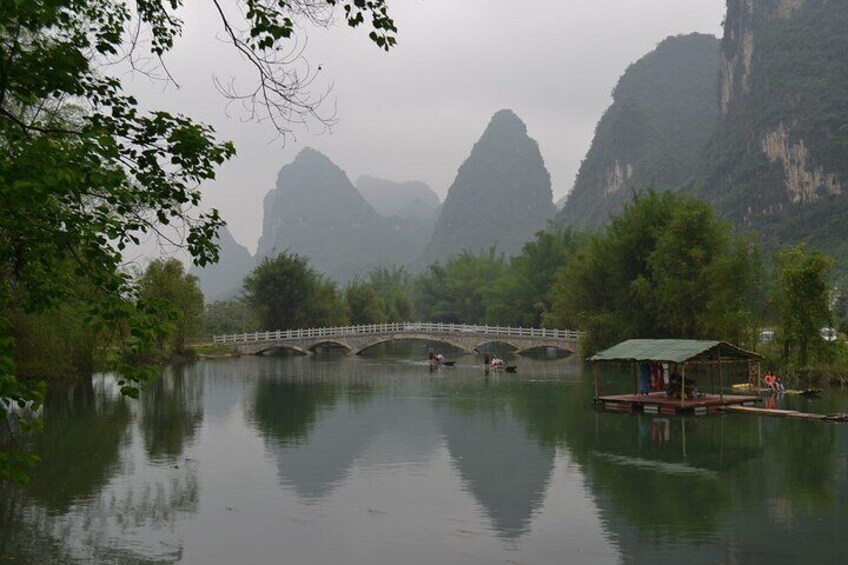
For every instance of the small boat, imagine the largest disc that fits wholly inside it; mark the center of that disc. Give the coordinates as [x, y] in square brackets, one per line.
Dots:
[808, 392]
[511, 368]
[747, 387]
[448, 363]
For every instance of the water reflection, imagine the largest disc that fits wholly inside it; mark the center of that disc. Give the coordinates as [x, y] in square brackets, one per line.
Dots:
[172, 411]
[714, 489]
[95, 497]
[84, 428]
[373, 460]
[317, 426]
[506, 473]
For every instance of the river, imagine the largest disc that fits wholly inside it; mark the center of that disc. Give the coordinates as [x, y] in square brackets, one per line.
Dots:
[376, 460]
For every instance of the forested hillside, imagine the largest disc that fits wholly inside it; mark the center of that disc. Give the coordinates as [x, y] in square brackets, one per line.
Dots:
[778, 160]
[663, 112]
[501, 195]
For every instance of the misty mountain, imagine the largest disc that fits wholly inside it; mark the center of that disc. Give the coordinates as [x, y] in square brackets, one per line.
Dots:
[223, 280]
[664, 110]
[501, 195]
[561, 202]
[316, 211]
[778, 159]
[403, 199]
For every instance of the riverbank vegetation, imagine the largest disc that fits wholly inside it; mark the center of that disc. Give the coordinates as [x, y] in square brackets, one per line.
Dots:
[667, 266]
[87, 170]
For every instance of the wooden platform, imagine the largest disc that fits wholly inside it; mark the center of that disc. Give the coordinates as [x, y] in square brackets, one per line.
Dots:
[660, 403]
[785, 413]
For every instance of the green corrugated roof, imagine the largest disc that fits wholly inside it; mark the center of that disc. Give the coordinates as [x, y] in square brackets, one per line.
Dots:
[669, 350]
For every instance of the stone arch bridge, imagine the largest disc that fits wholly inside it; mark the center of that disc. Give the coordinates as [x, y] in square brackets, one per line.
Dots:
[356, 339]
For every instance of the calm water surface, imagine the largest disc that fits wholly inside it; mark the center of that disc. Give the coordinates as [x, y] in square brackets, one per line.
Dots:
[334, 459]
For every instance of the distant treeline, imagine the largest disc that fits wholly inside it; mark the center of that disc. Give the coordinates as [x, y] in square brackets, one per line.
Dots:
[666, 267]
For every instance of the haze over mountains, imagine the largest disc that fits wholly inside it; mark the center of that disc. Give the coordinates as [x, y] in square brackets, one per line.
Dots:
[316, 211]
[663, 113]
[756, 123]
[500, 198]
[769, 114]
[223, 279]
[403, 199]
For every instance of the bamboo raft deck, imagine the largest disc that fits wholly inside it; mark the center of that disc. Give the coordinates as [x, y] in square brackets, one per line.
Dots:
[661, 403]
[784, 413]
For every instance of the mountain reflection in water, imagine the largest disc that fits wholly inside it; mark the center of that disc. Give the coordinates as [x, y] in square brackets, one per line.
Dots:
[335, 459]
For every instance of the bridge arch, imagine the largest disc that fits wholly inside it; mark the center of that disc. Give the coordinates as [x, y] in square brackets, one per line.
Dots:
[561, 351]
[330, 342]
[279, 347]
[433, 339]
[493, 342]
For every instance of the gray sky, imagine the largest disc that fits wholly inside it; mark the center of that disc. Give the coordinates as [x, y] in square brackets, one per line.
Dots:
[415, 112]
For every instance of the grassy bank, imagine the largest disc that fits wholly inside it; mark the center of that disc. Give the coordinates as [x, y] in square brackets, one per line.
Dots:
[213, 351]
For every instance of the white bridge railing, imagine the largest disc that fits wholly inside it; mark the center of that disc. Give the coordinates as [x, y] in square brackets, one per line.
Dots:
[398, 327]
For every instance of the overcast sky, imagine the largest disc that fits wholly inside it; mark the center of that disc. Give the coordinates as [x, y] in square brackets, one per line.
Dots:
[415, 112]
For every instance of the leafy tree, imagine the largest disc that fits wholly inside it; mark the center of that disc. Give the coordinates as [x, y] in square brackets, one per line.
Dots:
[326, 306]
[287, 293]
[521, 297]
[456, 293]
[56, 343]
[229, 316]
[364, 303]
[802, 299]
[166, 284]
[665, 268]
[394, 286]
[85, 171]
[839, 302]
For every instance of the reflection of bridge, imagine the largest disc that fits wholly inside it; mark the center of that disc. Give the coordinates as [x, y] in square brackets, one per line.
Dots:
[359, 338]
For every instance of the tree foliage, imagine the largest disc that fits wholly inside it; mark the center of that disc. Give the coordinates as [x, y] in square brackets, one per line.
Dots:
[665, 268]
[521, 296]
[802, 300]
[394, 286]
[228, 317]
[456, 293]
[286, 293]
[166, 285]
[364, 304]
[85, 171]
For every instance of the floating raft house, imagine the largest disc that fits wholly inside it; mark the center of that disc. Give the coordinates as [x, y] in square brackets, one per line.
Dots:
[714, 359]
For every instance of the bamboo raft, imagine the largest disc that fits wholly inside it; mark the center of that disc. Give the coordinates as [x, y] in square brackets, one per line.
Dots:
[805, 392]
[784, 413]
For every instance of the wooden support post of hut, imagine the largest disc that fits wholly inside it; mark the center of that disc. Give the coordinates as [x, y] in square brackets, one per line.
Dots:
[687, 354]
